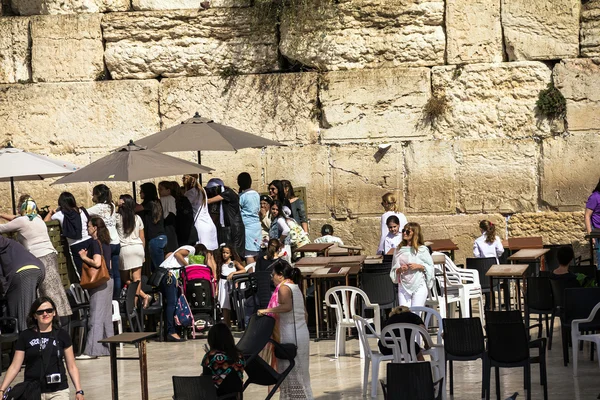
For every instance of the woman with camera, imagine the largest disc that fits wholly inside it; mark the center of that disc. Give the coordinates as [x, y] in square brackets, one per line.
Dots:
[44, 366]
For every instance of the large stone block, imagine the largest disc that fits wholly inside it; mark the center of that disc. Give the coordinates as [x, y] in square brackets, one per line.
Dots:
[73, 117]
[360, 176]
[553, 227]
[362, 231]
[14, 50]
[579, 81]
[228, 165]
[278, 106]
[189, 43]
[474, 32]
[66, 48]
[364, 33]
[303, 166]
[497, 175]
[374, 104]
[590, 29]
[152, 5]
[491, 100]
[570, 170]
[431, 171]
[36, 7]
[541, 29]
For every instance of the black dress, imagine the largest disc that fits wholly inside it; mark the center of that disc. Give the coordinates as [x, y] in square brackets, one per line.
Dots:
[232, 230]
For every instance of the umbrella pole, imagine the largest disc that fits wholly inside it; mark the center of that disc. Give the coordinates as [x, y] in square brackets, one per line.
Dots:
[199, 162]
[134, 192]
[12, 195]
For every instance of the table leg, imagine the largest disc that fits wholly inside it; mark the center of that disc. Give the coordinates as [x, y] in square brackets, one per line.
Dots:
[317, 308]
[143, 369]
[492, 294]
[113, 371]
[592, 251]
[526, 308]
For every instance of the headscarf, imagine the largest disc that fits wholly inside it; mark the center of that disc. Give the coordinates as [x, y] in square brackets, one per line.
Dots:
[217, 182]
[29, 209]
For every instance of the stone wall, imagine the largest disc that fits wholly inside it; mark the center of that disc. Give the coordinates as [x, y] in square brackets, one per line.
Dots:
[332, 81]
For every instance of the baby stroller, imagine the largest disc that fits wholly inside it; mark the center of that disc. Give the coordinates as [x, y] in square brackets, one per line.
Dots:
[199, 289]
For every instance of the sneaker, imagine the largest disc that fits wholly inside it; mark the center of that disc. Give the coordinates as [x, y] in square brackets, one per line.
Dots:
[85, 357]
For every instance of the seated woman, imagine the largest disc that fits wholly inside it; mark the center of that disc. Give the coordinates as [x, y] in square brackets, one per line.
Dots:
[223, 361]
[402, 315]
[565, 255]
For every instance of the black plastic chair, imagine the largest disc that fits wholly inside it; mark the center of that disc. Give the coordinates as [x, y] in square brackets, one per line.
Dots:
[154, 310]
[10, 333]
[578, 304]
[255, 338]
[482, 266]
[78, 323]
[588, 270]
[241, 285]
[131, 313]
[411, 381]
[508, 347]
[194, 388]
[379, 289]
[540, 301]
[264, 287]
[558, 294]
[464, 341]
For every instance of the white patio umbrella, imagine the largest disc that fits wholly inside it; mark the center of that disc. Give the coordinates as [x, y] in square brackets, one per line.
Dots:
[21, 165]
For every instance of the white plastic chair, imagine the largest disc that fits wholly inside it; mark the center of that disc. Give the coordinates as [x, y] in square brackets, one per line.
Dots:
[432, 319]
[404, 350]
[116, 317]
[437, 293]
[372, 357]
[577, 336]
[344, 300]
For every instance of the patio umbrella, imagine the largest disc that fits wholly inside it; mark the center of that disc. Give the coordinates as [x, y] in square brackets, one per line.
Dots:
[132, 163]
[199, 133]
[20, 165]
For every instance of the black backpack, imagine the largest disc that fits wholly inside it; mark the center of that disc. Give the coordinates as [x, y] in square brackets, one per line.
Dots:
[71, 226]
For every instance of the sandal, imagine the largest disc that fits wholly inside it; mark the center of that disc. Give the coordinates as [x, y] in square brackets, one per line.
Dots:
[146, 301]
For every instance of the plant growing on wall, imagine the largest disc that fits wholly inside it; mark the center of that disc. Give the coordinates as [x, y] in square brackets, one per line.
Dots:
[436, 106]
[551, 103]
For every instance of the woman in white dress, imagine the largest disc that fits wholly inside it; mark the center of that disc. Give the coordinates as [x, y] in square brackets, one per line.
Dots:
[287, 307]
[207, 231]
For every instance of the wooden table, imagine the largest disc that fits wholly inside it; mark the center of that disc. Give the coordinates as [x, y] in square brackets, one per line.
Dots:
[594, 234]
[507, 271]
[443, 245]
[343, 250]
[518, 243]
[138, 338]
[319, 248]
[531, 255]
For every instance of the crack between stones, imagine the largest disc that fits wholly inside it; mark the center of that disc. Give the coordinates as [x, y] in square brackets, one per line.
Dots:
[504, 52]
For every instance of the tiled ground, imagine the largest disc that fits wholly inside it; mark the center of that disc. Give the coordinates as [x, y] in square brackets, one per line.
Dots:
[331, 379]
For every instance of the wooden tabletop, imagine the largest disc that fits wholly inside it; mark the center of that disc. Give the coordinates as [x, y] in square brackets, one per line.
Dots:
[314, 247]
[442, 245]
[335, 272]
[374, 260]
[308, 271]
[518, 243]
[313, 262]
[336, 251]
[346, 246]
[128, 337]
[528, 254]
[507, 270]
[347, 259]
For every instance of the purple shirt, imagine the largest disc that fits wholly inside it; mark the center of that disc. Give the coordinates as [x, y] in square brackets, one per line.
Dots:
[593, 203]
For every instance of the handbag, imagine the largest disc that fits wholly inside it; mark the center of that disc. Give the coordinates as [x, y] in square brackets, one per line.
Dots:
[91, 276]
[288, 350]
[157, 276]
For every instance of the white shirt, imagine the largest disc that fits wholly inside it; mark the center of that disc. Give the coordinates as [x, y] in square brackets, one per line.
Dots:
[168, 205]
[134, 236]
[483, 249]
[109, 216]
[391, 241]
[60, 217]
[171, 262]
[385, 230]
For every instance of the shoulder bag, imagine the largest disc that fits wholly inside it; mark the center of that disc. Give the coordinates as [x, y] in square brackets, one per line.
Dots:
[288, 350]
[91, 276]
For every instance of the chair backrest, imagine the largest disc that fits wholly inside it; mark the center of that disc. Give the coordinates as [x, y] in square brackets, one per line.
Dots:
[579, 303]
[116, 312]
[344, 299]
[257, 334]
[503, 317]
[463, 337]
[558, 290]
[364, 328]
[262, 280]
[379, 288]
[482, 265]
[587, 270]
[401, 339]
[539, 294]
[507, 341]
[410, 381]
[432, 320]
[194, 387]
[80, 294]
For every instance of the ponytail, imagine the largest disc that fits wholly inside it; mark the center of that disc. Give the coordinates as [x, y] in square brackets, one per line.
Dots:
[490, 230]
[296, 276]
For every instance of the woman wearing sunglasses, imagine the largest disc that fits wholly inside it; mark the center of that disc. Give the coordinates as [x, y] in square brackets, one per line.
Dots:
[45, 365]
[412, 267]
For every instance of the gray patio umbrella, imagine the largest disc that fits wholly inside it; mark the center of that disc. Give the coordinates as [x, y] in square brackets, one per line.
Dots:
[132, 163]
[199, 134]
[20, 165]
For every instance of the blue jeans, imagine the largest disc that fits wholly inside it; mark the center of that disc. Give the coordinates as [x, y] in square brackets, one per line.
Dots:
[168, 287]
[156, 248]
[115, 250]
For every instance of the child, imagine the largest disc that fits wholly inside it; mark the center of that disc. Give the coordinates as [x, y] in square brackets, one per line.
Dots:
[389, 204]
[230, 265]
[327, 236]
[393, 238]
[223, 361]
[488, 244]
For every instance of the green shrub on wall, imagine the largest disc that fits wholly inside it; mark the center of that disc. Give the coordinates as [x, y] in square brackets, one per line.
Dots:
[551, 103]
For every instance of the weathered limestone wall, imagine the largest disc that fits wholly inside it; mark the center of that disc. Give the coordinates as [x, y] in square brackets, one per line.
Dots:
[332, 81]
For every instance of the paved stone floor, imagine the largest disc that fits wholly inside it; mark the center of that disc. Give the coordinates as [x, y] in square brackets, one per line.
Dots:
[331, 379]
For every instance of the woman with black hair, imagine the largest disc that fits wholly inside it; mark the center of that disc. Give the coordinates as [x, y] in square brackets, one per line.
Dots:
[264, 215]
[223, 361]
[205, 227]
[277, 192]
[154, 225]
[105, 208]
[296, 205]
[44, 347]
[224, 207]
[73, 222]
[100, 320]
[287, 307]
